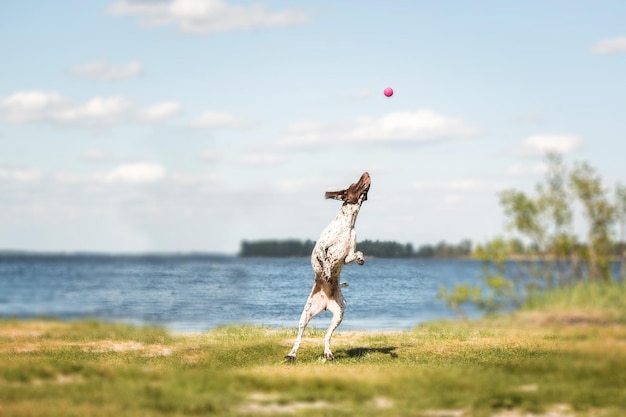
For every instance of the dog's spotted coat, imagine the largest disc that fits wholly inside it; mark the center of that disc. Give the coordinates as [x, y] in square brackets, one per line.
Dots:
[335, 248]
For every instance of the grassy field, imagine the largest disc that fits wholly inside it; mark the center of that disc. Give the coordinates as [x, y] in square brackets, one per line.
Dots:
[556, 358]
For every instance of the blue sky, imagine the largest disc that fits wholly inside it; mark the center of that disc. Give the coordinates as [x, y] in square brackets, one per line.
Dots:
[190, 125]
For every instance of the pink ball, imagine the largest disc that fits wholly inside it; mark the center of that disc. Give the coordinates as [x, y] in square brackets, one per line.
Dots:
[388, 92]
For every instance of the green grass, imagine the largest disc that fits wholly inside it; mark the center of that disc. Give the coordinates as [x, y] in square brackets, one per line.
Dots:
[590, 299]
[531, 362]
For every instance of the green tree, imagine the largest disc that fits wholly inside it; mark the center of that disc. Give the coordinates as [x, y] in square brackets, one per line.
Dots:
[498, 290]
[276, 248]
[385, 249]
[620, 198]
[601, 215]
[555, 256]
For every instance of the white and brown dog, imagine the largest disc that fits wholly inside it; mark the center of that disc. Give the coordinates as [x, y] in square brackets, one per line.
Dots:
[335, 248]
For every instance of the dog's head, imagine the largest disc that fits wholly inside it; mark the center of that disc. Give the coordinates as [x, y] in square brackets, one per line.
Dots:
[355, 193]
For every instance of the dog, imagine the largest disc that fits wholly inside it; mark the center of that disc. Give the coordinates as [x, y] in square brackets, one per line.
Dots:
[335, 248]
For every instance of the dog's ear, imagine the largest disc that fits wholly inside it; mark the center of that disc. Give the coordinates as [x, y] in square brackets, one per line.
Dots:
[336, 195]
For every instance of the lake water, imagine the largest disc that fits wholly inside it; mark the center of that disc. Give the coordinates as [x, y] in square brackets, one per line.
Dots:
[200, 292]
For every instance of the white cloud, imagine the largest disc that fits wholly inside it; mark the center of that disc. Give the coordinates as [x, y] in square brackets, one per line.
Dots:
[467, 184]
[410, 127]
[261, 159]
[20, 175]
[95, 155]
[134, 173]
[29, 106]
[94, 112]
[520, 170]
[43, 106]
[529, 118]
[206, 16]
[609, 46]
[540, 144]
[193, 179]
[217, 120]
[450, 200]
[209, 155]
[130, 173]
[103, 71]
[292, 185]
[25, 106]
[160, 111]
[363, 94]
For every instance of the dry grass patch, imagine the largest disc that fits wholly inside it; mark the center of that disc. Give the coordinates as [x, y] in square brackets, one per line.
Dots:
[557, 410]
[273, 404]
[26, 329]
[105, 346]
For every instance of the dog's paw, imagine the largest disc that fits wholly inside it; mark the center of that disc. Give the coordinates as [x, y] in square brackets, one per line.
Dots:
[290, 358]
[359, 258]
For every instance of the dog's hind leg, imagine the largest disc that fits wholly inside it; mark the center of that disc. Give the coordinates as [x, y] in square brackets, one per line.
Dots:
[336, 306]
[322, 261]
[315, 304]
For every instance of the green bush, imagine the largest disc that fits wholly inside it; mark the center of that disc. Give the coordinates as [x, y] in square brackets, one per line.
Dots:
[542, 252]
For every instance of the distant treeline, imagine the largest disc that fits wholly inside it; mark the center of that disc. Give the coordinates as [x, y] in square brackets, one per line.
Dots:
[378, 249]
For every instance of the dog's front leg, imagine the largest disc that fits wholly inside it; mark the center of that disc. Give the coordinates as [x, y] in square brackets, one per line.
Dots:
[353, 254]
